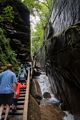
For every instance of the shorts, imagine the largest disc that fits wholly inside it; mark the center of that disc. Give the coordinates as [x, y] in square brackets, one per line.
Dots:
[14, 101]
[6, 99]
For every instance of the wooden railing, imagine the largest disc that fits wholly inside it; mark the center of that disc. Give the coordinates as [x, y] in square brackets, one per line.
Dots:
[26, 102]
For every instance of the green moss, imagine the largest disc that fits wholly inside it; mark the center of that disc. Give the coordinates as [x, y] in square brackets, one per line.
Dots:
[72, 35]
[7, 14]
[7, 55]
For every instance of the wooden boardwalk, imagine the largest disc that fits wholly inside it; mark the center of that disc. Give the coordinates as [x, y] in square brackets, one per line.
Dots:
[22, 103]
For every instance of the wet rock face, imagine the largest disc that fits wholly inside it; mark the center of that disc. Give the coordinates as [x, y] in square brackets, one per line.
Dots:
[18, 30]
[63, 67]
[62, 51]
[34, 112]
[64, 14]
[40, 58]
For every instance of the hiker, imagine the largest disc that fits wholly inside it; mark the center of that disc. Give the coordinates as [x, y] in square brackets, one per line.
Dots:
[22, 75]
[17, 95]
[7, 88]
[26, 66]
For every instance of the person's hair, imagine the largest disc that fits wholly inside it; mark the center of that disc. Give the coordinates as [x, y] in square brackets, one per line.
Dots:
[9, 66]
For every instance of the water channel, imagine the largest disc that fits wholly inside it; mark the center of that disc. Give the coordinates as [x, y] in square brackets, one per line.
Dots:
[45, 88]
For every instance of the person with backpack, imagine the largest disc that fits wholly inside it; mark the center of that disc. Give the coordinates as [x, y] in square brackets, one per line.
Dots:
[7, 89]
[22, 75]
[26, 65]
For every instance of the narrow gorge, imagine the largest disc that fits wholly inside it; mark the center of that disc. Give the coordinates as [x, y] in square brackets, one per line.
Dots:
[59, 57]
[61, 53]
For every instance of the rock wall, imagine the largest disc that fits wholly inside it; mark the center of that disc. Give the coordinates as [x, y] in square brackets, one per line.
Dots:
[64, 14]
[34, 110]
[19, 29]
[40, 58]
[62, 51]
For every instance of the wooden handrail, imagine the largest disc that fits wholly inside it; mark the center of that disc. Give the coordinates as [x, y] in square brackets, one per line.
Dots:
[25, 111]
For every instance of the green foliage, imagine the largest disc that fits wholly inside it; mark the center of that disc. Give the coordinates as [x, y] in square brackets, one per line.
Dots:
[7, 55]
[1, 19]
[40, 8]
[7, 14]
[29, 3]
[37, 38]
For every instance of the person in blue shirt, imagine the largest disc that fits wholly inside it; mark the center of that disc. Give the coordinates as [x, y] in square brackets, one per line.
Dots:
[7, 89]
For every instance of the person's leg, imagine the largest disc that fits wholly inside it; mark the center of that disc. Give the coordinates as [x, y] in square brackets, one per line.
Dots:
[6, 112]
[1, 110]
[14, 105]
[2, 101]
[8, 102]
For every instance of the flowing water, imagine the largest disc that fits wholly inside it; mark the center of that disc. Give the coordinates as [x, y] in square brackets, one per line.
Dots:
[45, 87]
[68, 116]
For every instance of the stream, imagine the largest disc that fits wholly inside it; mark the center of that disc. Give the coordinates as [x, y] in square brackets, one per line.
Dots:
[45, 87]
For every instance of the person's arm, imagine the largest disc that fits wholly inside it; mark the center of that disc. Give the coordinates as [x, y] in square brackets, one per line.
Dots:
[1, 75]
[14, 87]
[14, 83]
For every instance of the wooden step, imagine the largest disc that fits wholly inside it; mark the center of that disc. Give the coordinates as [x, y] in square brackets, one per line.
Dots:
[18, 112]
[22, 95]
[22, 92]
[21, 99]
[20, 102]
[19, 107]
